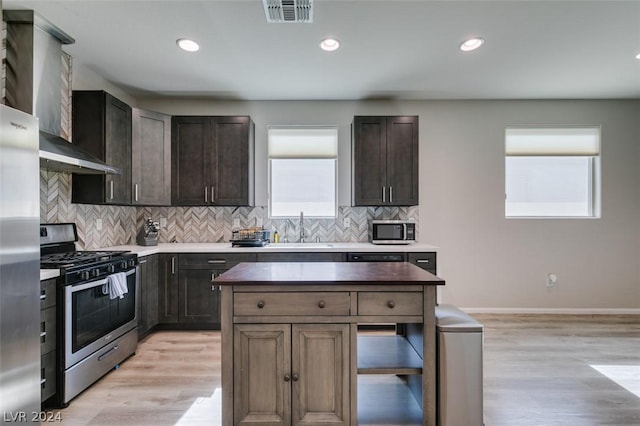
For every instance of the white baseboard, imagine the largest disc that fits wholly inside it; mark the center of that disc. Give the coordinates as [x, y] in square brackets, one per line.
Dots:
[555, 311]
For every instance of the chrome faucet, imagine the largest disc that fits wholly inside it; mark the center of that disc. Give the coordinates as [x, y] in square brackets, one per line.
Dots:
[302, 227]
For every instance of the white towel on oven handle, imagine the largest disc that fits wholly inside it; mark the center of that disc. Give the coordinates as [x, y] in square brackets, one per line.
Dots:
[116, 286]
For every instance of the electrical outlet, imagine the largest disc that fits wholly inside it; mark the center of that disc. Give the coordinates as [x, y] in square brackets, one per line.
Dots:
[163, 222]
[552, 280]
[98, 224]
[236, 222]
[346, 223]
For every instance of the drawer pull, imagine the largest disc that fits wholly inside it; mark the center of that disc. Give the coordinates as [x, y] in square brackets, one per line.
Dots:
[43, 295]
[287, 377]
[220, 261]
[321, 304]
[42, 382]
[295, 377]
[260, 304]
[422, 261]
[391, 304]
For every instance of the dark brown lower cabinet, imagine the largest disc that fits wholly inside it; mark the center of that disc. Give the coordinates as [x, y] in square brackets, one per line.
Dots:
[187, 298]
[168, 289]
[148, 279]
[198, 298]
[426, 261]
[48, 339]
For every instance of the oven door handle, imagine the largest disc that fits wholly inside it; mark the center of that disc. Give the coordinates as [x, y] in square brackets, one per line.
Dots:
[98, 283]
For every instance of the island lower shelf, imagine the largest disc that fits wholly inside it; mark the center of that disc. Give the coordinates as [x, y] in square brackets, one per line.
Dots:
[386, 400]
[387, 355]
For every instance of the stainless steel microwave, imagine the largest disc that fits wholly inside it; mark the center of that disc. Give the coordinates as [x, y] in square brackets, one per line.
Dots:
[392, 231]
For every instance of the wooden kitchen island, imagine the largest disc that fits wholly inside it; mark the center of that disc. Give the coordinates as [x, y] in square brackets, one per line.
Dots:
[292, 353]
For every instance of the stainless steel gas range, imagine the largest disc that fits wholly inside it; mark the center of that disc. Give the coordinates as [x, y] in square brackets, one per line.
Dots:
[97, 309]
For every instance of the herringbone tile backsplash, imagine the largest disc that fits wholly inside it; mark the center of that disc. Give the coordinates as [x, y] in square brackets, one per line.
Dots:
[194, 224]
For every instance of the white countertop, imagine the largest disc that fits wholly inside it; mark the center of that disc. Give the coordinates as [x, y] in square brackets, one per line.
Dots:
[142, 251]
[47, 274]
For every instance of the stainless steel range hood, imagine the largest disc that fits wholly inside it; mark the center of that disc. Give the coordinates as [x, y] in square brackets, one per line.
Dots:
[34, 85]
[59, 155]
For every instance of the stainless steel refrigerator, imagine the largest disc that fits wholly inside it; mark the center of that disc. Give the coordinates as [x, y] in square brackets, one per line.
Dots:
[19, 267]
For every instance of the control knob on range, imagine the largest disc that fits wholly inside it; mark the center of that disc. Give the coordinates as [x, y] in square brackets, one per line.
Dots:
[132, 263]
[111, 268]
[95, 272]
[84, 275]
[123, 265]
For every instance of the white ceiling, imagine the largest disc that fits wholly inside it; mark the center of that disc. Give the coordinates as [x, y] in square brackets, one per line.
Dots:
[391, 49]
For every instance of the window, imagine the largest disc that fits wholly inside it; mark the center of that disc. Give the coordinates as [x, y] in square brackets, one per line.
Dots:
[552, 172]
[302, 171]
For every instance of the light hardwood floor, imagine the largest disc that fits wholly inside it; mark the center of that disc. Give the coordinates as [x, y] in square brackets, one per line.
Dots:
[538, 371]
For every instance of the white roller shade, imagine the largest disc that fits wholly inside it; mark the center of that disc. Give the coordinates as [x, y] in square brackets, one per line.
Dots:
[561, 141]
[303, 142]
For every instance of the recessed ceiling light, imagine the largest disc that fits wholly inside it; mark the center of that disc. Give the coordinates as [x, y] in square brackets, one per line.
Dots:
[638, 56]
[329, 44]
[188, 45]
[471, 44]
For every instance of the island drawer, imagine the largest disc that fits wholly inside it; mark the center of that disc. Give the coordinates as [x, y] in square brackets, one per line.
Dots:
[282, 303]
[390, 303]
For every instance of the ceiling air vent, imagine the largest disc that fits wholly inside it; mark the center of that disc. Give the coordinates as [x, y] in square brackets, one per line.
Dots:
[284, 11]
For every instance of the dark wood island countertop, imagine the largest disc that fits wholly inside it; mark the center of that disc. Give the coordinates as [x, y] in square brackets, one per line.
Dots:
[324, 273]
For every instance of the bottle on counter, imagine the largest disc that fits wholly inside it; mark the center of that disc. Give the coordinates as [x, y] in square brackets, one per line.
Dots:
[276, 237]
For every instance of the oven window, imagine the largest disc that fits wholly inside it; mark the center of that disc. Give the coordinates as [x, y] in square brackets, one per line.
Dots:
[95, 315]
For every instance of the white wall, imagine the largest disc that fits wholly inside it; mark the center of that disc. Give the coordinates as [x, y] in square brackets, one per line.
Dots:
[489, 261]
[84, 78]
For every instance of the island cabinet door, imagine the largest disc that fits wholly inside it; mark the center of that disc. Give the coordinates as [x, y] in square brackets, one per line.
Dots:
[262, 374]
[320, 374]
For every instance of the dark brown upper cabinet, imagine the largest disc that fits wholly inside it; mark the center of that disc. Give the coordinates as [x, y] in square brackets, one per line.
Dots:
[151, 159]
[212, 161]
[102, 126]
[385, 161]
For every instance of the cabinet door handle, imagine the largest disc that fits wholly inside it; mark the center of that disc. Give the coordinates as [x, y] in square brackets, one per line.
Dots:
[287, 377]
[135, 191]
[423, 261]
[140, 262]
[391, 304]
[216, 261]
[383, 195]
[390, 194]
[43, 295]
[173, 265]
[321, 304]
[295, 377]
[206, 194]
[111, 190]
[213, 194]
[260, 304]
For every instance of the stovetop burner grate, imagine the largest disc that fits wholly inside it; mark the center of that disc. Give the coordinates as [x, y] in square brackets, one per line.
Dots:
[58, 260]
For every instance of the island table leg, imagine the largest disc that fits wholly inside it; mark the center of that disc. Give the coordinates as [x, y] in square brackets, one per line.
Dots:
[226, 329]
[429, 361]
